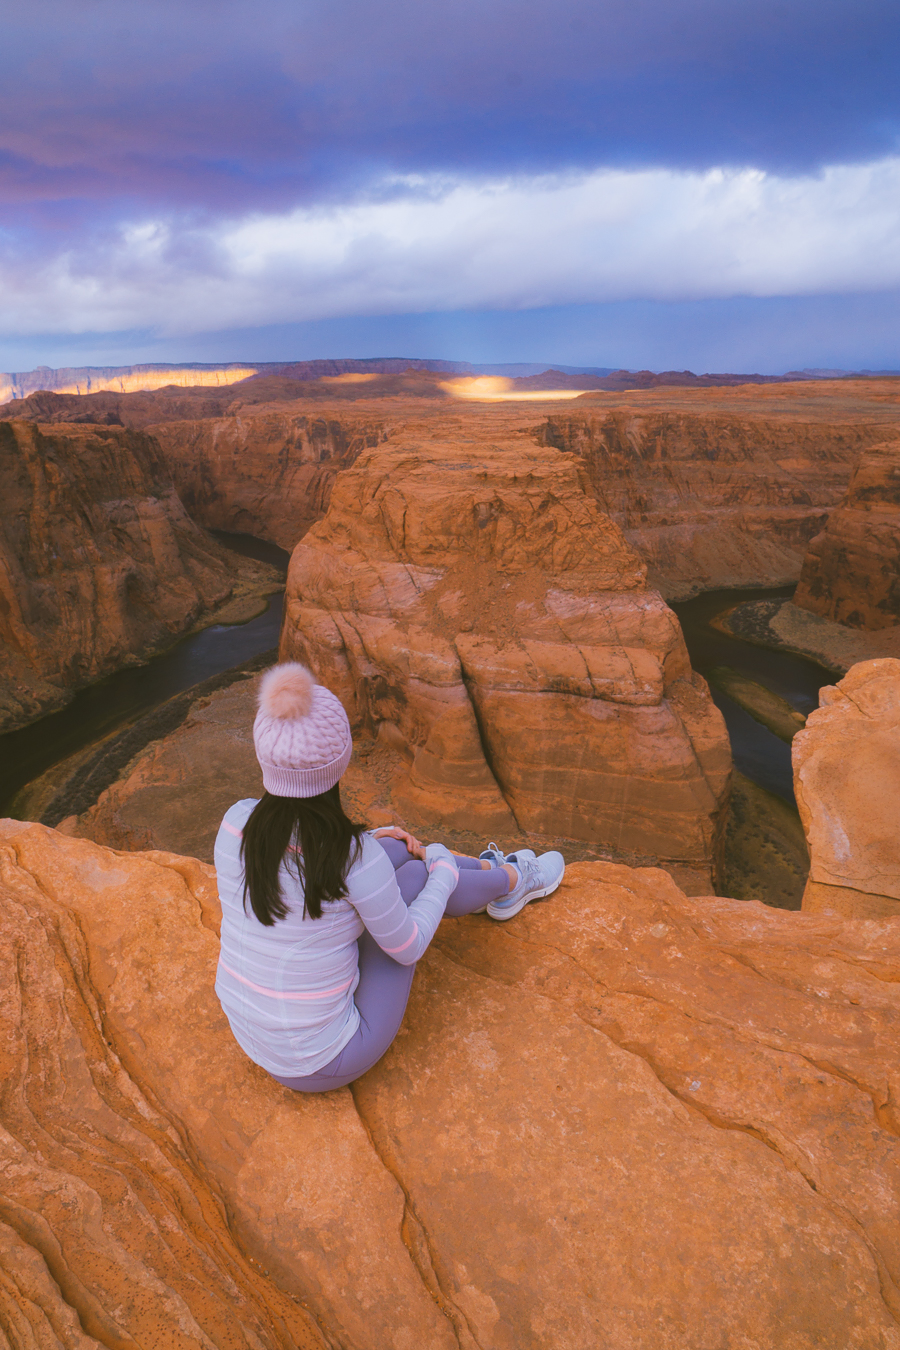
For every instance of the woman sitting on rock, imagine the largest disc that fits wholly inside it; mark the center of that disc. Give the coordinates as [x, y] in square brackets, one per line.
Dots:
[322, 922]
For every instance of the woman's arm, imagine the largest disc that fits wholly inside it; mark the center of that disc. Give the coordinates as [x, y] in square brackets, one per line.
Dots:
[403, 933]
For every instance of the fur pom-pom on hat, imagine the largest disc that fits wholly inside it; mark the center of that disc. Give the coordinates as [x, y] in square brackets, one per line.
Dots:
[301, 733]
[286, 691]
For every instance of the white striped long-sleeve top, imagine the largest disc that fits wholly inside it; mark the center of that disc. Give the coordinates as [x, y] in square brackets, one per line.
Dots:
[287, 990]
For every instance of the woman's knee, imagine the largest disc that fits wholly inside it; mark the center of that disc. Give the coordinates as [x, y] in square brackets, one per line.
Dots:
[411, 877]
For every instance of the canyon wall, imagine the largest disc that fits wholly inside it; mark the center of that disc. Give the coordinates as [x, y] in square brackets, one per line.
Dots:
[713, 500]
[99, 563]
[847, 785]
[626, 1118]
[715, 488]
[473, 609]
[266, 471]
[851, 572]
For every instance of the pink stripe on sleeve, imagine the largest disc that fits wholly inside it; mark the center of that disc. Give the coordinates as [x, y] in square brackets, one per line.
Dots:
[392, 951]
[231, 829]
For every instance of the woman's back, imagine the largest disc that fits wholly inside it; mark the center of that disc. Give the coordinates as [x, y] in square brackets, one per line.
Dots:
[287, 989]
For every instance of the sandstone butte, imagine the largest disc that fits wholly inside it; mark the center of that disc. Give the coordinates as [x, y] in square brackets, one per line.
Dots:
[472, 608]
[847, 784]
[99, 563]
[851, 572]
[714, 487]
[626, 1120]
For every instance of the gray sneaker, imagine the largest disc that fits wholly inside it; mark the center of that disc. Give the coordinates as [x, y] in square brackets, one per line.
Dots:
[492, 854]
[539, 877]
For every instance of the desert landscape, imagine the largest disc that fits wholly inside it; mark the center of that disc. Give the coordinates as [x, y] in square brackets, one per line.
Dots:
[486, 581]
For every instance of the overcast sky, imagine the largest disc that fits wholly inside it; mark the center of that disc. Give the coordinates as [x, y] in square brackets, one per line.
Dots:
[711, 184]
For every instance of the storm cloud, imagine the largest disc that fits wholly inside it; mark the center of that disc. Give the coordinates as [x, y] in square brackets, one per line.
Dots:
[183, 168]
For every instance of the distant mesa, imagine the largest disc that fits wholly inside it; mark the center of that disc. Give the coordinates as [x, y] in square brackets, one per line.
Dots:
[523, 377]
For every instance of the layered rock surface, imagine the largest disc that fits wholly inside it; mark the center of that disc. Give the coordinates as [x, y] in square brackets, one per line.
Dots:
[714, 500]
[473, 608]
[625, 1119]
[268, 471]
[851, 572]
[99, 563]
[714, 487]
[847, 785]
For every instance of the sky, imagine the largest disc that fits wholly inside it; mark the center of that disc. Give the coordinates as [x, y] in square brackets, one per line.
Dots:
[672, 184]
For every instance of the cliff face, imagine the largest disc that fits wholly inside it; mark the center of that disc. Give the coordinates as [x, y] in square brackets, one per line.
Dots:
[267, 471]
[625, 1118]
[715, 488]
[847, 784]
[473, 609]
[851, 572]
[99, 564]
[713, 501]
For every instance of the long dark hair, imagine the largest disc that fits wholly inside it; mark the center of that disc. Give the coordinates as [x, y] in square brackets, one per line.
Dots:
[314, 835]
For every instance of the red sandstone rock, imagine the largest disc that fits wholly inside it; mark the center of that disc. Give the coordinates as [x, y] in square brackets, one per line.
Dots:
[714, 487]
[623, 1119]
[266, 471]
[713, 500]
[847, 783]
[851, 573]
[99, 564]
[471, 606]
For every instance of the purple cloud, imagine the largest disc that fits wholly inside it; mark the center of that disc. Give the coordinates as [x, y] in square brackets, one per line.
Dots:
[231, 107]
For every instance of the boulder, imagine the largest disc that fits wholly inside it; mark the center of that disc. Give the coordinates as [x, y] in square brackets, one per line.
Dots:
[847, 785]
[851, 572]
[474, 609]
[99, 564]
[626, 1118]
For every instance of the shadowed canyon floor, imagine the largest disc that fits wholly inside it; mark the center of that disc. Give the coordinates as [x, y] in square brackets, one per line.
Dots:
[626, 1119]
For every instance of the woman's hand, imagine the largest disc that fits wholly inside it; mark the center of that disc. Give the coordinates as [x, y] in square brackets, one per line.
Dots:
[413, 845]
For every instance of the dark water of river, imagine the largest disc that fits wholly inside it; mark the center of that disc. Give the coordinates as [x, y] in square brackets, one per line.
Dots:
[758, 753]
[121, 698]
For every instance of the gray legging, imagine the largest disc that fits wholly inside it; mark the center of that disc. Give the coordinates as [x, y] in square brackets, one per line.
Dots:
[383, 990]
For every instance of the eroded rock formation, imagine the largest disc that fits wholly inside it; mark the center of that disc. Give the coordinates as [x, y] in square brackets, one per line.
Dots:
[473, 608]
[626, 1118]
[713, 499]
[99, 563]
[717, 487]
[851, 572]
[266, 471]
[847, 784]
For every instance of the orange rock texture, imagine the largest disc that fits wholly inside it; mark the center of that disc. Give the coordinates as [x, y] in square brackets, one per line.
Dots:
[626, 1118]
[851, 572]
[471, 606]
[847, 784]
[99, 563]
[714, 499]
[266, 471]
[713, 487]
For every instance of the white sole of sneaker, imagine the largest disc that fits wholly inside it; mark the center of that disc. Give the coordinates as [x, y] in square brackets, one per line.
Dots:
[501, 915]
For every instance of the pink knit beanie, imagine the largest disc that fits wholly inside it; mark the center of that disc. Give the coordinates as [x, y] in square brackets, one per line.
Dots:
[301, 733]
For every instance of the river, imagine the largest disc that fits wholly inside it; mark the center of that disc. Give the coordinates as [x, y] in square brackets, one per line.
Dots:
[758, 753]
[119, 699]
